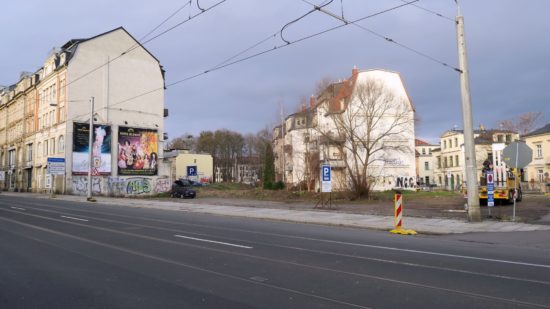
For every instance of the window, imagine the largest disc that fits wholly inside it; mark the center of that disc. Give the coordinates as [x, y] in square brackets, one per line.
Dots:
[508, 138]
[439, 164]
[451, 161]
[423, 151]
[426, 166]
[538, 151]
[430, 150]
[29, 153]
[444, 144]
[61, 142]
[540, 175]
[38, 149]
[45, 148]
[440, 180]
[52, 146]
[52, 118]
[500, 139]
[427, 180]
[456, 142]
[11, 158]
[445, 162]
[456, 161]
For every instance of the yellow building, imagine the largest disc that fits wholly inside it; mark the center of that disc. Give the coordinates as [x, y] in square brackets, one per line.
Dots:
[193, 166]
[538, 171]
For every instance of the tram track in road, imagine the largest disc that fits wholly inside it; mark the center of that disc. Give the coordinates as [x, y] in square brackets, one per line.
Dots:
[311, 267]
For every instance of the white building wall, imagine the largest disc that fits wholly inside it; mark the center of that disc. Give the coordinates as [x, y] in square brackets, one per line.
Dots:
[129, 91]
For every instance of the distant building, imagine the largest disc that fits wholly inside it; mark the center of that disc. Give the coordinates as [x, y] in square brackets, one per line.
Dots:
[538, 170]
[46, 114]
[449, 159]
[425, 162]
[193, 166]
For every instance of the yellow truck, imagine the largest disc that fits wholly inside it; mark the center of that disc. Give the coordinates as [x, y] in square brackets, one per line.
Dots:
[504, 178]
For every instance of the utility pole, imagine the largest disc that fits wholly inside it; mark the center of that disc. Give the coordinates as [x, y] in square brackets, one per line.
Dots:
[283, 143]
[90, 145]
[474, 214]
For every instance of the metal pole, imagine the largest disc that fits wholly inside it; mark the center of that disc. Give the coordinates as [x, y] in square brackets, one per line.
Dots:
[474, 214]
[515, 183]
[90, 144]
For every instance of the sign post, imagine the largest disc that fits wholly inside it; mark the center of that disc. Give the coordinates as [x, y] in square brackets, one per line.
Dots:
[517, 155]
[490, 190]
[56, 166]
[326, 186]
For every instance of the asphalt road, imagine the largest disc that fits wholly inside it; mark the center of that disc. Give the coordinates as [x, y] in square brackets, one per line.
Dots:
[60, 254]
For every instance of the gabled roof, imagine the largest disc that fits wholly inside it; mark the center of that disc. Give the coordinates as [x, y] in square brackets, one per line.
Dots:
[419, 142]
[540, 131]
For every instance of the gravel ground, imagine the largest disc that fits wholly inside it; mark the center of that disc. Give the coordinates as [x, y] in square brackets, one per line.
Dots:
[531, 209]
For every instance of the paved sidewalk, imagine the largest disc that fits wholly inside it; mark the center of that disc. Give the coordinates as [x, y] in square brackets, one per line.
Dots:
[325, 217]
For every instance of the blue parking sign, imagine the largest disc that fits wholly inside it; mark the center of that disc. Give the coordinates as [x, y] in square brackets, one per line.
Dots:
[191, 170]
[325, 172]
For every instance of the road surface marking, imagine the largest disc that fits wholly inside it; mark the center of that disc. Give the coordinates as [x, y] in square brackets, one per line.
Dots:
[213, 241]
[18, 208]
[73, 218]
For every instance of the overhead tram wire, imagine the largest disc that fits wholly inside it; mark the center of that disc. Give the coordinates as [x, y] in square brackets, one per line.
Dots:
[388, 39]
[145, 42]
[166, 20]
[432, 12]
[226, 63]
[274, 35]
[191, 17]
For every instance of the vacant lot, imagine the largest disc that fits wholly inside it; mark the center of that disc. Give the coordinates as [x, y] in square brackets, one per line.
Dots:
[440, 204]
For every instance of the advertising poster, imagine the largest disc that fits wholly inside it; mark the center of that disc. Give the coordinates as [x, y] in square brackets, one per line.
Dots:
[101, 149]
[137, 152]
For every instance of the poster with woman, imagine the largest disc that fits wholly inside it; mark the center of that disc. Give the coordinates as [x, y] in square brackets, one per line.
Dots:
[101, 148]
[137, 151]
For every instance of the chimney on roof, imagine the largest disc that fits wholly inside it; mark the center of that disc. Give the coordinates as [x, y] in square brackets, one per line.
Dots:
[312, 101]
[354, 71]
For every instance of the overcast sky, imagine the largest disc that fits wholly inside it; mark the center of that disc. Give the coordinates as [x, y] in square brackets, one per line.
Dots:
[508, 48]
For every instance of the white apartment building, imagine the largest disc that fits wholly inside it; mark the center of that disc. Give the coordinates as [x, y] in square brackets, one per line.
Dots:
[425, 162]
[376, 105]
[50, 110]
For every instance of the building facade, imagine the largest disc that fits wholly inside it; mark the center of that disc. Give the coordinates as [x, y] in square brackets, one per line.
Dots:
[538, 171]
[425, 162]
[46, 115]
[449, 159]
[360, 126]
[194, 166]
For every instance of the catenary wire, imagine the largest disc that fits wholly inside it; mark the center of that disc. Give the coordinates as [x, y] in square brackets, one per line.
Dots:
[431, 11]
[227, 63]
[388, 39]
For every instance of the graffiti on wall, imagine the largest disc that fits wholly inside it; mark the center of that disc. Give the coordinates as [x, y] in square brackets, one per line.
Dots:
[80, 185]
[162, 185]
[405, 182]
[138, 186]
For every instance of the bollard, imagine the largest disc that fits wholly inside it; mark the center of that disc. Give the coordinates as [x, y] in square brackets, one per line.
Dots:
[398, 216]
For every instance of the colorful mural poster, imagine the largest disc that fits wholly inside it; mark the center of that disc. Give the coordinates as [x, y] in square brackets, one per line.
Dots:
[137, 151]
[101, 149]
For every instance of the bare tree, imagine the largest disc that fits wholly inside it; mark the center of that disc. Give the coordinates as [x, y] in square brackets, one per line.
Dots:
[370, 124]
[524, 124]
[322, 84]
[185, 141]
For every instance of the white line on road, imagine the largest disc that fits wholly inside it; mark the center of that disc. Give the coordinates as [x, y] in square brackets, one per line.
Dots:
[18, 208]
[73, 218]
[213, 241]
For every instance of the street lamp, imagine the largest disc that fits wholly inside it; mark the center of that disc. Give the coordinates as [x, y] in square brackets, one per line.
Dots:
[90, 145]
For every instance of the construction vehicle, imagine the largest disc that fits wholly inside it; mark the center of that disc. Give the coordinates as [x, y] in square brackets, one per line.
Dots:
[504, 178]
